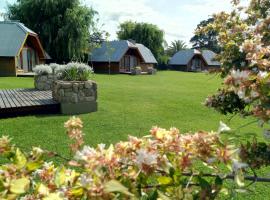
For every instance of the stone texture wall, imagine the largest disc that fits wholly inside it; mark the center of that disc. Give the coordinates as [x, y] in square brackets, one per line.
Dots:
[74, 91]
[44, 82]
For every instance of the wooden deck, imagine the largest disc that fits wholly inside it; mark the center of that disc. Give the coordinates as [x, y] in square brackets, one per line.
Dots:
[16, 102]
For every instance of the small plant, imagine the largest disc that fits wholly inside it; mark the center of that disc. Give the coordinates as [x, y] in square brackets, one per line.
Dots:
[42, 70]
[136, 70]
[54, 67]
[151, 70]
[74, 72]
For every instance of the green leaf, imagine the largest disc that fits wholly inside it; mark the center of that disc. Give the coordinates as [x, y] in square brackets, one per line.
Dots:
[19, 186]
[163, 196]
[43, 189]
[203, 183]
[153, 195]
[164, 180]
[53, 196]
[218, 181]
[115, 186]
[239, 178]
[19, 159]
[32, 166]
[60, 177]
[77, 192]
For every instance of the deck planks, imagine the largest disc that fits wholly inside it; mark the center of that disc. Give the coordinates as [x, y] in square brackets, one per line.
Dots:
[26, 100]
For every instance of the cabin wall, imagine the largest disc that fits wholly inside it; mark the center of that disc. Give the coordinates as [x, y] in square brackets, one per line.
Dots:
[7, 66]
[183, 68]
[103, 67]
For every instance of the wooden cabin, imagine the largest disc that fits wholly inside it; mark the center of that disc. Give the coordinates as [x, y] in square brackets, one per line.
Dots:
[20, 49]
[122, 55]
[194, 60]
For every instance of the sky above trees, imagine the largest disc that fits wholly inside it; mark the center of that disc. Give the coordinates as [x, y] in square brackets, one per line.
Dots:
[178, 18]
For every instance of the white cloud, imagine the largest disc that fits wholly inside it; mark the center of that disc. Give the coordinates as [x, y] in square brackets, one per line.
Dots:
[177, 19]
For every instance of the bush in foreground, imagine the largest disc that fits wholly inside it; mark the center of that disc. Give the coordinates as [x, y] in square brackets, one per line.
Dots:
[165, 164]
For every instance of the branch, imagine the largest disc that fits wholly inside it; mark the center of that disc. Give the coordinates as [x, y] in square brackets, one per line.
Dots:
[231, 176]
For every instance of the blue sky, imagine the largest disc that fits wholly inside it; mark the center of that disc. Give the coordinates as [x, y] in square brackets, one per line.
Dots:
[177, 18]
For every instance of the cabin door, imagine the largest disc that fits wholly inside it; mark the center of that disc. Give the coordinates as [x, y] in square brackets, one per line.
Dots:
[196, 65]
[127, 63]
[28, 59]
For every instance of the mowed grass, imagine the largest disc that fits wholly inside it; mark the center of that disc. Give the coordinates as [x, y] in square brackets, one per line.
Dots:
[131, 105]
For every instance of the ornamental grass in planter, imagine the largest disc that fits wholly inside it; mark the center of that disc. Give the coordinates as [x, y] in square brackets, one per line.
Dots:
[73, 89]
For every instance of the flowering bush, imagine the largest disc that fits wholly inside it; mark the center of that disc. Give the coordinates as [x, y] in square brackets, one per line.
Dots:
[244, 38]
[165, 164]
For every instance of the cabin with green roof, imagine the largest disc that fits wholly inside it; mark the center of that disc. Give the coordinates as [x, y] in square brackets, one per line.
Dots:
[20, 49]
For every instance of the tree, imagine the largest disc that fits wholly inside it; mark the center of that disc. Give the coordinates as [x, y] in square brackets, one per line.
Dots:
[176, 46]
[206, 40]
[148, 34]
[63, 25]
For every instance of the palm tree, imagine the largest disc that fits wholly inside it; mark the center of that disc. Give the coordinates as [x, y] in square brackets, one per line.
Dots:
[176, 46]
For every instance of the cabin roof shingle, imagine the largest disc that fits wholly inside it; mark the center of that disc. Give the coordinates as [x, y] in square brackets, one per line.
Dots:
[118, 50]
[12, 35]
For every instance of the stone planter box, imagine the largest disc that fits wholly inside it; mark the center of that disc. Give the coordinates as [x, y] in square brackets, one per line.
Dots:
[136, 71]
[151, 71]
[44, 82]
[75, 97]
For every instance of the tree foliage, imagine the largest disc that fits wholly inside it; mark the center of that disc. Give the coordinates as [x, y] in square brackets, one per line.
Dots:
[206, 40]
[176, 46]
[245, 56]
[148, 34]
[63, 25]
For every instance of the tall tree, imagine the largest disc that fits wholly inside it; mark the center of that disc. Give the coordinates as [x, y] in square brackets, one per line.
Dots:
[63, 25]
[148, 34]
[206, 40]
[176, 46]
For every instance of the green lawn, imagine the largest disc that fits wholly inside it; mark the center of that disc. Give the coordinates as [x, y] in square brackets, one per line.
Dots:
[131, 105]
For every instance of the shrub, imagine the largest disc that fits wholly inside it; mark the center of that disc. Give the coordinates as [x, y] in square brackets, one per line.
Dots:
[74, 72]
[163, 165]
[42, 70]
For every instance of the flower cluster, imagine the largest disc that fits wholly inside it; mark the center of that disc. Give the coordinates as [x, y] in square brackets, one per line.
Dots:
[74, 130]
[244, 37]
[165, 164]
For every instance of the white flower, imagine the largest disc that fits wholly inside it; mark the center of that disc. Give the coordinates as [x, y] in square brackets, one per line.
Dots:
[223, 127]
[239, 76]
[266, 134]
[262, 74]
[84, 153]
[241, 93]
[86, 181]
[145, 157]
[101, 146]
[236, 165]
